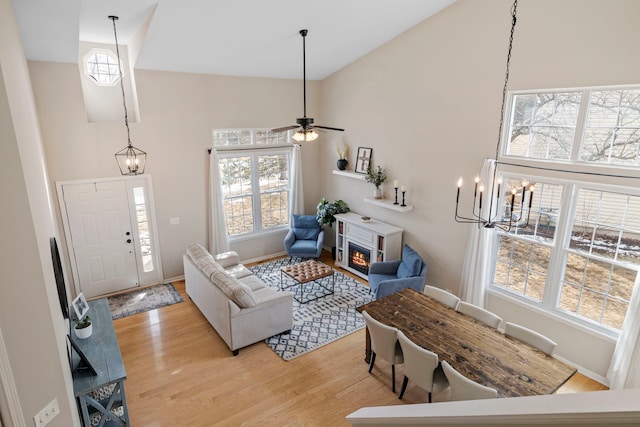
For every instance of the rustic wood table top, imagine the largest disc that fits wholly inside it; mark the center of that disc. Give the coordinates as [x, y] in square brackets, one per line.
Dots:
[476, 350]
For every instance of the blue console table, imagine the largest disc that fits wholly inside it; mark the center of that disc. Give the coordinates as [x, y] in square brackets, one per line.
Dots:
[101, 397]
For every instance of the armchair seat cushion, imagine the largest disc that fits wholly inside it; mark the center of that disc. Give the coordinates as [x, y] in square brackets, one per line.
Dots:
[376, 279]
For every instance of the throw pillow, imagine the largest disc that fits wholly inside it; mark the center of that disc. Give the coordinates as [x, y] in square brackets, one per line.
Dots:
[411, 263]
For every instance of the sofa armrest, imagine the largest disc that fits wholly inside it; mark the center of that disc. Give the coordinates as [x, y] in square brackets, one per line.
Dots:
[227, 259]
[388, 287]
[276, 298]
[289, 239]
[384, 267]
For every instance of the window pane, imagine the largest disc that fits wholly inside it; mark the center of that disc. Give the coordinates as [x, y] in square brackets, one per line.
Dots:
[612, 133]
[274, 184]
[237, 193]
[543, 125]
[521, 267]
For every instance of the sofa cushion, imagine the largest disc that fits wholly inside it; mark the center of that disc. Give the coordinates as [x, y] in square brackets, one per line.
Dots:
[306, 227]
[253, 282]
[238, 271]
[234, 289]
[411, 263]
[196, 252]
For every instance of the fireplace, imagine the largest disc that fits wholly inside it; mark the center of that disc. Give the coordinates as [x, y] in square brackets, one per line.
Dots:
[359, 258]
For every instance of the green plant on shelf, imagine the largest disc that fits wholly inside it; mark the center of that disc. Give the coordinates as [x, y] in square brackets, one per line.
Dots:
[326, 210]
[377, 177]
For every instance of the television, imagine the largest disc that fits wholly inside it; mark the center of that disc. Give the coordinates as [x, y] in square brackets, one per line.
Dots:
[57, 270]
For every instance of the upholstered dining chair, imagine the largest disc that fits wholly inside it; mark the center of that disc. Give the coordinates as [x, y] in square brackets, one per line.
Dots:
[384, 343]
[531, 337]
[305, 237]
[462, 388]
[480, 314]
[445, 297]
[421, 367]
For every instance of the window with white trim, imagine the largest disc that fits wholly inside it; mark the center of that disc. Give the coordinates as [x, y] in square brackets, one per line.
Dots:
[255, 169]
[102, 66]
[578, 256]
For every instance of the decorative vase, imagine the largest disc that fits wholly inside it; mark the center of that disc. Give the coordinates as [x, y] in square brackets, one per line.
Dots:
[84, 333]
[377, 193]
[342, 164]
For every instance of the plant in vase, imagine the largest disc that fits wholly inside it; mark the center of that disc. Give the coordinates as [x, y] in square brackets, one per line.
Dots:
[342, 151]
[83, 327]
[326, 210]
[377, 177]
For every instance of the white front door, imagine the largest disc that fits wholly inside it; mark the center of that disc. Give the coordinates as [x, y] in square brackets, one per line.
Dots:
[102, 237]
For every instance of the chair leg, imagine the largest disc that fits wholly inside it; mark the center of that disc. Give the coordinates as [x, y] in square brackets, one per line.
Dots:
[372, 361]
[393, 378]
[429, 393]
[404, 387]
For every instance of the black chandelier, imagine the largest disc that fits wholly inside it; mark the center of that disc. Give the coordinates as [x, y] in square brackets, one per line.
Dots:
[508, 217]
[131, 160]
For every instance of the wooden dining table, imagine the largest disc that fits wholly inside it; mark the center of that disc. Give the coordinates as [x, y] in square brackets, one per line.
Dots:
[474, 349]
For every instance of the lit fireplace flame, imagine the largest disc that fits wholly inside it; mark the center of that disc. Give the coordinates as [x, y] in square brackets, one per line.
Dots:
[360, 259]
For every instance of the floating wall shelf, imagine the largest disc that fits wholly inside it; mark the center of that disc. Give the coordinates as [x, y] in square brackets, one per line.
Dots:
[387, 203]
[354, 175]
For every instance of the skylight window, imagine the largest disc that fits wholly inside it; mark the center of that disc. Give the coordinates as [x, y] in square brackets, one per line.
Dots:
[102, 66]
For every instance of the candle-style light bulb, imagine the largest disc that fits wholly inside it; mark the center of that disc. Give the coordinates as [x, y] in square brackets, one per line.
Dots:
[459, 182]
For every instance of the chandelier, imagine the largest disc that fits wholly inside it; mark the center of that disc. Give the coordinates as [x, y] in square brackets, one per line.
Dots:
[131, 160]
[492, 217]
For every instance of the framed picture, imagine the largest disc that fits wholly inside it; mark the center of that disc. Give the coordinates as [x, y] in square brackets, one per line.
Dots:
[363, 160]
[80, 306]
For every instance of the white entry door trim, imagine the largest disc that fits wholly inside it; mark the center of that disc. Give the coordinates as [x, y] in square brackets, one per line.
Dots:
[136, 254]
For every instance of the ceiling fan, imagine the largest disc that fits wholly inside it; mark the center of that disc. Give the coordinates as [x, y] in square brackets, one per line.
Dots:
[305, 124]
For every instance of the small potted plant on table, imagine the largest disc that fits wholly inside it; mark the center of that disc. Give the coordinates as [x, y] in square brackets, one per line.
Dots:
[83, 327]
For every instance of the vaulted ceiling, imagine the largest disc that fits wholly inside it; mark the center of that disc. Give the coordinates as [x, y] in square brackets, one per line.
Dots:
[255, 38]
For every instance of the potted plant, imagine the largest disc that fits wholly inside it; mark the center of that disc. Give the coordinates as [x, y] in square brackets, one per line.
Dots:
[377, 177]
[83, 327]
[342, 150]
[326, 210]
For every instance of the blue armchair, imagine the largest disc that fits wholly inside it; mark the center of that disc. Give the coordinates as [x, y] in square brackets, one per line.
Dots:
[305, 237]
[388, 277]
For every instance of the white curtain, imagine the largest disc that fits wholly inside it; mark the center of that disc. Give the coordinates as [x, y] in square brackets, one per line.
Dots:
[296, 196]
[218, 237]
[624, 370]
[476, 268]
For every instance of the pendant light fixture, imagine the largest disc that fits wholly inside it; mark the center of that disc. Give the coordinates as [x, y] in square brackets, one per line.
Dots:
[495, 217]
[131, 160]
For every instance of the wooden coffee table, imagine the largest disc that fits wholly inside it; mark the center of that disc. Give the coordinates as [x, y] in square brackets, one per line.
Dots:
[306, 272]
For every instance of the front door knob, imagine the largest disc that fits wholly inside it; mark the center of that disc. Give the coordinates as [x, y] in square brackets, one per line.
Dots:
[128, 240]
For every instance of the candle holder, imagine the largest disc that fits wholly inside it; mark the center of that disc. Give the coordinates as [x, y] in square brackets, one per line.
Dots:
[396, 202]
[403, 199]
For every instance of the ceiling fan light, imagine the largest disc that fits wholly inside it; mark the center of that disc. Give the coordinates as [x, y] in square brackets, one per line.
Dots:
[305, 136]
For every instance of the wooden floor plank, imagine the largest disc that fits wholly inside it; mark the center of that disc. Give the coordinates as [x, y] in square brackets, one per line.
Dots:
[180, 373]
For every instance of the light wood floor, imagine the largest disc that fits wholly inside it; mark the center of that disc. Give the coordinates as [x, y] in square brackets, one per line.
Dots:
[180, 373]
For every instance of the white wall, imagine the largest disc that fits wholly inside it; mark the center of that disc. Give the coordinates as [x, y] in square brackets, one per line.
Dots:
[428, 103]
[32, 325]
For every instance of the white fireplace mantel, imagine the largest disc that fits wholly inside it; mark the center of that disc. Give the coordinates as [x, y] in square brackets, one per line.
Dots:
[382, 240]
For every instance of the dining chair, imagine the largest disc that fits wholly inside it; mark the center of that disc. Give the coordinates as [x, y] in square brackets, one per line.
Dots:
[480, 314]
[462, 388]
[421, 366]
[445, 297]
[531, 337]
[384, 343]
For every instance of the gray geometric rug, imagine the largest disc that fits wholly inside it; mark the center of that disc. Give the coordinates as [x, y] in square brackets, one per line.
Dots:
[318, 322]
[145, 299]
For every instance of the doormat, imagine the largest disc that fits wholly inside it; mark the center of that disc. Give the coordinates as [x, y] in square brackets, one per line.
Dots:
[318, 322]
[142, 300]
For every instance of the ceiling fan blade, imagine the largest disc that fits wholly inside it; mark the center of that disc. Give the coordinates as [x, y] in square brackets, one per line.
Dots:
[285, 128]
[328, 127]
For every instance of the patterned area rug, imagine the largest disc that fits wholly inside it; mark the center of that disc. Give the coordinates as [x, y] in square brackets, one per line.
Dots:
[143, 300]
[318, 322]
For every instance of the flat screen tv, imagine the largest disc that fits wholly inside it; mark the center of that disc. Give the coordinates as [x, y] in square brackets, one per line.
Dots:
[57, 270]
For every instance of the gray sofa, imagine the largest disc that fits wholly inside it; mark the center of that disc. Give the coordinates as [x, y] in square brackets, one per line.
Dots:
[240, 306]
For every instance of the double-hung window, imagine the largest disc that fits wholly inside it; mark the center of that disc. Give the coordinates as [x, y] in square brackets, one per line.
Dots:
[578, 255]
[255, 170]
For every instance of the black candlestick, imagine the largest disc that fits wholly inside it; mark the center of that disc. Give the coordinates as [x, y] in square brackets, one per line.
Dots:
[403, 199]
[396, 202]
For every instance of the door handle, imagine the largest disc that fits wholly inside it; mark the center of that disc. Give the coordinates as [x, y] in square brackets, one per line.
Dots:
[128, 240]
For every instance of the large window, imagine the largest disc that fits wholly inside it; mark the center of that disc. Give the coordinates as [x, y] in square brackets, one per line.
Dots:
[576, 250]
[255, 179]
